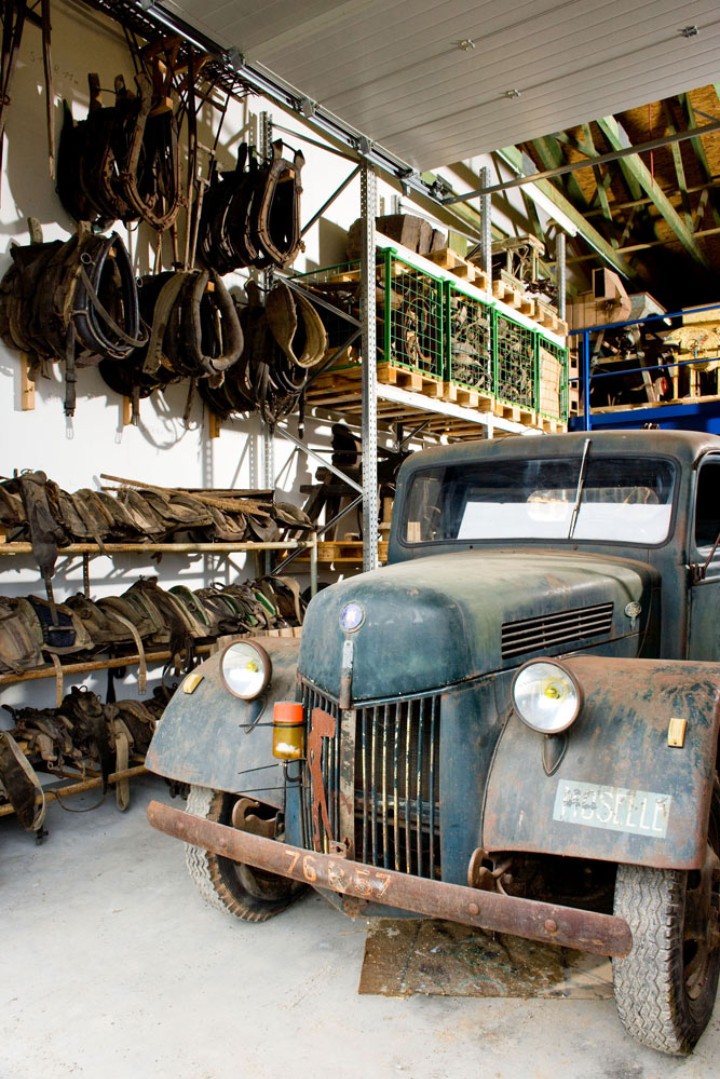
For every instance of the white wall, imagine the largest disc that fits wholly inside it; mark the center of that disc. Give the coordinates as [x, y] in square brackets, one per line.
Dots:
[162, 449]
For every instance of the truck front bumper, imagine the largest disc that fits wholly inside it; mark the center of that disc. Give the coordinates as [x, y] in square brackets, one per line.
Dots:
[602, 934]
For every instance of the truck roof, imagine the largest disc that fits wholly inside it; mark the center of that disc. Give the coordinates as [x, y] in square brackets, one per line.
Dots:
[686, 446]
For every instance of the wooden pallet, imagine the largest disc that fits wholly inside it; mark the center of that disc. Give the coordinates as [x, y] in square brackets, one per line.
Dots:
[504, 292]
[548, 318]
[468, 397]
[347, 551]
[448, 259]
[346, 382]
[528, 417]
[550, 425]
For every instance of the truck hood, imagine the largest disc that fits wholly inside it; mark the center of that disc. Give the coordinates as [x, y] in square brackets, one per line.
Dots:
[436, 621]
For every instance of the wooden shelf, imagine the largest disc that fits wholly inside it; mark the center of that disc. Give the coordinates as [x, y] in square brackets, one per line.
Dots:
[160, 548]
[111, 663]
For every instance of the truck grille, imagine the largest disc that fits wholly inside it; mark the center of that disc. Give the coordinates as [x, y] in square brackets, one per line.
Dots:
[551, 630]
[396, 782]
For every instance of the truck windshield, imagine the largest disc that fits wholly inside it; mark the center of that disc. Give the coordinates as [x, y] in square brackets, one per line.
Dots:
[629, 501]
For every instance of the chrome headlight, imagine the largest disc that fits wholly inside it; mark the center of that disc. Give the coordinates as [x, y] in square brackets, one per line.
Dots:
[246, 669]
[546, 696]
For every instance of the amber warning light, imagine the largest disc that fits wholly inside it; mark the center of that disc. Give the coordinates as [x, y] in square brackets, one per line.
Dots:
[288, 731]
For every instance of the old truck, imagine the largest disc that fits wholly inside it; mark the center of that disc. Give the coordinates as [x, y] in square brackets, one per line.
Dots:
[512, 725]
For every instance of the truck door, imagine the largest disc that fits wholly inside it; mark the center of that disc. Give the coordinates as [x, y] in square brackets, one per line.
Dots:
[704, 593]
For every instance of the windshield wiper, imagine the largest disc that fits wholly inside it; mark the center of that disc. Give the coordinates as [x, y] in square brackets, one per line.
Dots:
[579, 491]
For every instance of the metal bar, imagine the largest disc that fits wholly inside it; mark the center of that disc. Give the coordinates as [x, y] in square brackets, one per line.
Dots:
[408, 845]
[328, 202]
[314, 142]
[369, 369]
[601, 934]
[561, 273]
[585, 366]
[615, 155]
[486, 223]
[385, 752]
[418, 787]
[641, 321]
[373, 786]
[396, 789]
[365, 784]
[431, 783]
[418, 402]
[316, 457]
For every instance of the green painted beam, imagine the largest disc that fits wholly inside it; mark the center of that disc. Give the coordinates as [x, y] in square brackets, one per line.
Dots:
[602, 182]
[679, 167]
[521, 164]
[551, 156]
[698, 147]
[618, 140]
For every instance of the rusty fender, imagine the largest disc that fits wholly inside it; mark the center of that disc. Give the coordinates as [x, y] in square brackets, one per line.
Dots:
[548, 923]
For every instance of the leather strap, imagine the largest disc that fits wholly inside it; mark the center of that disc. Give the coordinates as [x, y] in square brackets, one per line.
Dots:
[22, 784]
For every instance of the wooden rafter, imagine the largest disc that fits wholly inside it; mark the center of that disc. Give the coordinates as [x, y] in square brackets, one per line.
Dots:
[550, 155]
[700, 154]
[519, 161]
[642, 180]
[679, 168]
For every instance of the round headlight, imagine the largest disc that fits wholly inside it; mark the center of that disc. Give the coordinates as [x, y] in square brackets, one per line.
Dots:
[352, 617]
[546, 696]
[246, 669]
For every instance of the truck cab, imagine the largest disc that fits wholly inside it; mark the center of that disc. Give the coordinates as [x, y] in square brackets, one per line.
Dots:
[513, 724]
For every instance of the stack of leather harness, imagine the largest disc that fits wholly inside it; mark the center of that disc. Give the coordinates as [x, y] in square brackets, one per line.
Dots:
[81, 734]
[122, 162]
[74, 301]
[194, 332]
[251, 216]
[284, 339]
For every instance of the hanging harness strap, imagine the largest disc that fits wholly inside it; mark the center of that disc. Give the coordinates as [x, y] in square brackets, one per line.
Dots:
[14, 12]
[276, 211]
[23, 788]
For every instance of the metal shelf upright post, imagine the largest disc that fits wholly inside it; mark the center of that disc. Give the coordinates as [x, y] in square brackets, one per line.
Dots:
[368, 199]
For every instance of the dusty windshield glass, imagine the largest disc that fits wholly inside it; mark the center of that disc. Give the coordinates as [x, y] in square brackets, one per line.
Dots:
[624, 500]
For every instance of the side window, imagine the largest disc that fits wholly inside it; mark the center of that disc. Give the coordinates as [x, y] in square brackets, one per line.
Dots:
[707, 504]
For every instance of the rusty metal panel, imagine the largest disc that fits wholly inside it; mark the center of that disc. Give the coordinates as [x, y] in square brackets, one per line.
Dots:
[588, 931]
[620, 792]
[213, 739]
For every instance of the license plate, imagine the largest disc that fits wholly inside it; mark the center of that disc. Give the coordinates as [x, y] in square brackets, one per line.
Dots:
[617, 809]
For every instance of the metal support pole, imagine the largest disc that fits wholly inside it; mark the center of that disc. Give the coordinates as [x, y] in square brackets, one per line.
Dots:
[266, 133]
[585, 369]
[368, 198]
[486, 223]
[561, 272]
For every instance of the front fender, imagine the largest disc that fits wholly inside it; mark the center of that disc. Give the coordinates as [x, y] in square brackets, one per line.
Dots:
[620, 793]
[212, 739]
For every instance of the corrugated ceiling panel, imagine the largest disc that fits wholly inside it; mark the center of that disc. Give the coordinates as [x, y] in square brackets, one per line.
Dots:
[394, 69]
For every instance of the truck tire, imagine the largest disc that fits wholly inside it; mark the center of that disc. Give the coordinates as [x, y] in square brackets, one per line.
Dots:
[249, 894]
[665, 988]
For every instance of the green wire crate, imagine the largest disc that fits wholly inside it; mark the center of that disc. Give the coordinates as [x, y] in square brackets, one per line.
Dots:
[470, 341]
[411, 313]
[515, 362]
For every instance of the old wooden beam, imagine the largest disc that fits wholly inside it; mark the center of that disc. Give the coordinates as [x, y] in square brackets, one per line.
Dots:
[618, 140]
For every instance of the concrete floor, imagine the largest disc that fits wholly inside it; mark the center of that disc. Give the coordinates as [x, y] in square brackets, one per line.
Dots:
[112, 967]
